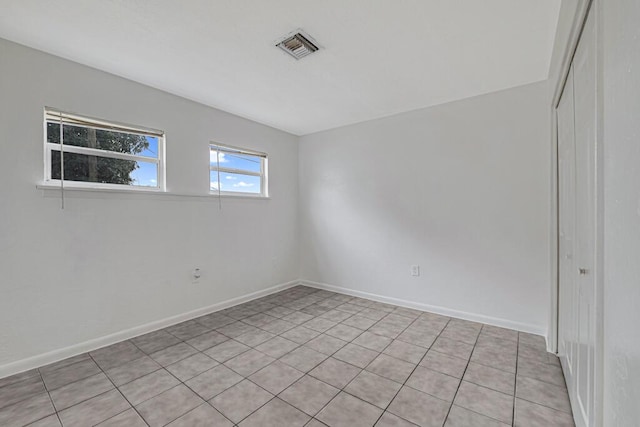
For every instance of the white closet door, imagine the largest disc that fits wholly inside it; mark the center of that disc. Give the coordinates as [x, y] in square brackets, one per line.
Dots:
[578, 333]
[584, 65]
[567, 319]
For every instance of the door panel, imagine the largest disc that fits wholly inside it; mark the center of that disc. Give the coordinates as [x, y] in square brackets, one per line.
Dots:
[577, 205]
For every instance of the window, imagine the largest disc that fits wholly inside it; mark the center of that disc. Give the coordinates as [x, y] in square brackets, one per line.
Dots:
[234, 171]
[85, 152]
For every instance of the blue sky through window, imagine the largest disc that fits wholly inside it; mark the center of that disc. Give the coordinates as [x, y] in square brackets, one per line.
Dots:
[146, 175]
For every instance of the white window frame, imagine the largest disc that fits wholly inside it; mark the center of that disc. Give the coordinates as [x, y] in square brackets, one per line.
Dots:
[263, 174]
[52, 115]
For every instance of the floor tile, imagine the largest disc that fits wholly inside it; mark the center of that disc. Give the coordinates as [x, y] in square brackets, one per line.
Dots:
[259, 320]
[405, 351]
[279, 312]
[336, 315]
[501, 344]
[387, 329]
[214, 381]
[372, 341]
[19, 377]
[128, 418]
[391, 368]
[492, 378]
[61, 363]
[319, 324]
[389, 420]
[191, 366]
[187, 330]
[303, 358]
[173, 354]
[276, 413]
[300, 334]
[309, 394]
[372, 388]
[542, 372]
[358, 321]
[453, 348]
[344, 332]
[444, 363]
[356, 355]
[418, 337]
[233, 330]
[532, 340]
[203, 416]
[407, 312]
[466, 335]
[207, 340]
[133, 370]
[297, 317]
[249, 362]
[155, 341]
[278, 326]
[460, 417]
[276, 377]
[485, 401]
[532, 415]
[237, 402]
[372, 313]
[215, 320]
[326, 344]
[419, 408]
[543, 394]
[254, 338]
[507, 334]
[148, 386]
[495, 358]
[27, 388]
[64, 376]
[434, 383]
[347, 411]
[69, 395]
[52, 421]
[95, 410]
[226, 350]
[350, 308]
[335, 372]
[26, 411]
[116, 355]
[277, 347]
[169, 406]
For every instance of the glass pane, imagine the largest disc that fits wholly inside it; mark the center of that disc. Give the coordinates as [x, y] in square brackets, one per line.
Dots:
[235, 182]
[104, 140]
[236, 161]
[81, 167]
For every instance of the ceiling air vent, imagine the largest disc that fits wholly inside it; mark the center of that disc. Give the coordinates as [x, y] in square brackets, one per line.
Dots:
[298, 44]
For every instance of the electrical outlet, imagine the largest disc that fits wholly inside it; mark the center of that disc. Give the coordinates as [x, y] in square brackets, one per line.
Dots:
[415, 270]
[196, 275]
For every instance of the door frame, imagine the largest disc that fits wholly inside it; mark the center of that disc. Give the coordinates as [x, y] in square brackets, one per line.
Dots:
[583, 9]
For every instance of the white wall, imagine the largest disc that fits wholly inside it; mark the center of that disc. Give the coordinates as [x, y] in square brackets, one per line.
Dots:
[622, 211]
[110, 262]
[461, 189]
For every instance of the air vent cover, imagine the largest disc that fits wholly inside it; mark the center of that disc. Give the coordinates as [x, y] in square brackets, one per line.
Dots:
[298, 44]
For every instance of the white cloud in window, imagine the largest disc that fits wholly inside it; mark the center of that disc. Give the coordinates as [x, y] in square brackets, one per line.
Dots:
[153, 181]
[214, 185]
[231, 177]
[243, 184]
[213, 157]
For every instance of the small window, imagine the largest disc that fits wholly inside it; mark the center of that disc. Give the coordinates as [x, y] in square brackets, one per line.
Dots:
[234, 171]
[85, 152]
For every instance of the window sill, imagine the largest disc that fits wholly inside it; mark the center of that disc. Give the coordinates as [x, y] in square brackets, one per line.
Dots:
[73, 191]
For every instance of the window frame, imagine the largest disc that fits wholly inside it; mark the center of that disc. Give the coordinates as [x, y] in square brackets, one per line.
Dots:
[79, 120]
[263, 174]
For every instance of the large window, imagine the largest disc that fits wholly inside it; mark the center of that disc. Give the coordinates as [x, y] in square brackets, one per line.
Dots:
[85, 152]
[235, 171]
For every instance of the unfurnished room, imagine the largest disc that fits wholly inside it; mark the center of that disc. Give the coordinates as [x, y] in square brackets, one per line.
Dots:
[331, 213]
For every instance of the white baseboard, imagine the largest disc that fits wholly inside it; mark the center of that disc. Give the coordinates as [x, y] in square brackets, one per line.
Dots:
[494, 321]
[94, 344]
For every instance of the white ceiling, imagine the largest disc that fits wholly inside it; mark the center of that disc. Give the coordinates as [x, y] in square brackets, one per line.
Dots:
[379, 57]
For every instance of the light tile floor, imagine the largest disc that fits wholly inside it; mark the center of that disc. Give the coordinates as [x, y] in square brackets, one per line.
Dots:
[301, 357]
